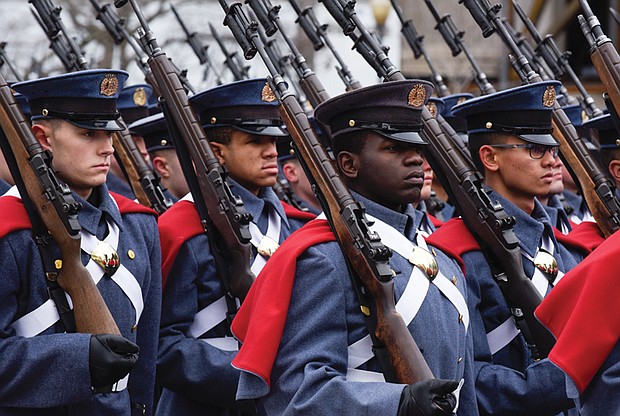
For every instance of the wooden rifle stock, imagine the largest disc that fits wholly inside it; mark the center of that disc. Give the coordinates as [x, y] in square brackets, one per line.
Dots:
[347, 219]
[90, 311]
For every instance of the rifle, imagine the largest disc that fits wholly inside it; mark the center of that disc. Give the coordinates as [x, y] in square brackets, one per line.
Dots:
[199, 48]
[604, 57]
[557, 61]
[537, 62]
[454, 39]
[232, 61]
[64, 46]
[4, 59]
[487, 220]
[116, 27]
[317, 34]
[363, 249]
[56, 213]
[282, 62]
[268, 17]
[596, 187]
[415, 42]
[222, 214]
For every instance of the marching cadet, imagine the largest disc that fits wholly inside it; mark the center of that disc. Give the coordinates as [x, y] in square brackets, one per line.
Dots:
[133, 104]
[242, 124]
[160, 146]
[603, 128]
[296, 177]
[48, 370]
[581, 313]
[306, 346]
[511, 145]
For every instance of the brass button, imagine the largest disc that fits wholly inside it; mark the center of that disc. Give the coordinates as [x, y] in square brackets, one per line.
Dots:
[459, 360]
[131, 254]
[213, 120]
[489, 125]
[454, 280]
[365, 310]
[351, 123]
[58, 264]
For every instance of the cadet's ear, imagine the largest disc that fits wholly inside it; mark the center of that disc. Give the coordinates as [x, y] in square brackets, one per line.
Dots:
[290, 172]
[348, 164]
[614, 169]
[161, 166]
[488, 157]
[218, 149]
[41, 133]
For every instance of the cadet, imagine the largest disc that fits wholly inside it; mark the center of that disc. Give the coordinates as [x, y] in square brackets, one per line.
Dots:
[132, 104]
[582, 314]
[242, 124]
[296, 177]
[511, 145]
[163, 156]
[50, 371]
[314, 355]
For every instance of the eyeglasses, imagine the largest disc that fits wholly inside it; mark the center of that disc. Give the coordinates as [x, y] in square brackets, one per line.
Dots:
[537, 151]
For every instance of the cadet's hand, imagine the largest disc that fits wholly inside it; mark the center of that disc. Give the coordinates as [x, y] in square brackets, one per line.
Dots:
[428, 398]
[111, 358]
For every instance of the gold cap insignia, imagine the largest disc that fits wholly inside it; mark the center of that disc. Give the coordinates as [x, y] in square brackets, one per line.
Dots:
[109, 85]
[432, 108]
[139, 97]
[267, 94]
[417, 95]
[549, 96]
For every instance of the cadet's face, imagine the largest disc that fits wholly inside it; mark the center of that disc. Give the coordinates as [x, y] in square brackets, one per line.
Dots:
[251, 160]
[519, 178]
[428, 180]
[390, 172]
[80, 156]
[557, 186]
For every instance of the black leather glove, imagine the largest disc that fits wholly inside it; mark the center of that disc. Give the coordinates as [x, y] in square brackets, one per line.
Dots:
[428, 398]
[111, 357]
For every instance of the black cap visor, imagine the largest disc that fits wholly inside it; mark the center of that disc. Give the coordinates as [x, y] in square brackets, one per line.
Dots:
[107, 125]
[275, 131]
[403, 136]
[542, 139]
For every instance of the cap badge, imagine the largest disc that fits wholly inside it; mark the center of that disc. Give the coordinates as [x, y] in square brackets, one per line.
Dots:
[139, 97]
[549, 96]
[432, 108]
[267, 94]
[109, 85]
[417, 95]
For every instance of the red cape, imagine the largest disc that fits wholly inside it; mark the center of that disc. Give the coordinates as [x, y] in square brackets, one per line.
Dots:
[435, 221]
[581, 312]
[18, 219]
[181, 222]
[587, 236]
[260, 321]
[454, 239]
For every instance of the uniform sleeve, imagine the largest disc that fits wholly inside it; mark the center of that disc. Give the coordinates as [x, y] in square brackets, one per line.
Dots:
[186, 365]
[141, 379]
[47, 370]
[538, 388]
[309, 374]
